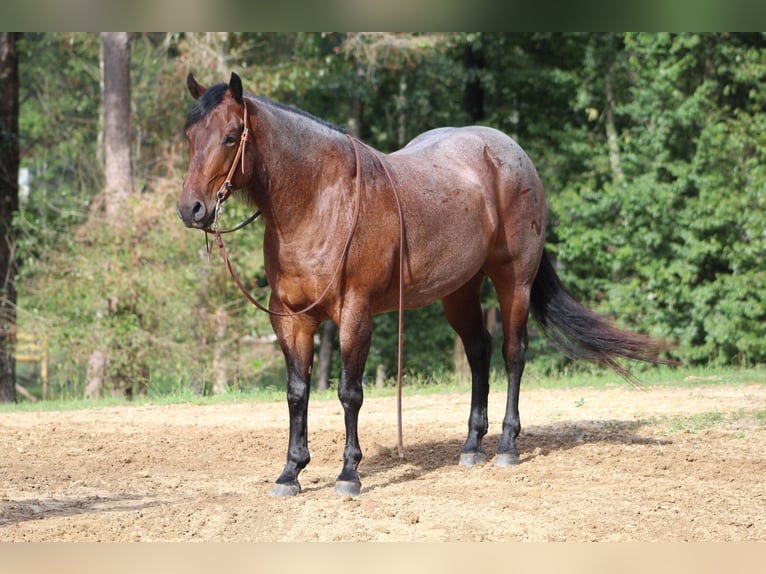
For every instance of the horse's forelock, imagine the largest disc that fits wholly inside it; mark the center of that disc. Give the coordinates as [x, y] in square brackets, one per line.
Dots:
[205, 104]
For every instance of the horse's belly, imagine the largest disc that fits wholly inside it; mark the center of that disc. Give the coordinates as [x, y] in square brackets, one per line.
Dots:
[435, 273]
[436, 265]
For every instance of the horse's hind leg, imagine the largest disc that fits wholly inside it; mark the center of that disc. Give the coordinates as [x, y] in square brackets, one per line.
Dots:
[514, 306]
[463, 311]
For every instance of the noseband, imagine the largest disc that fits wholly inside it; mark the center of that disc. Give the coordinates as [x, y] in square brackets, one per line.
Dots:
[223, 194]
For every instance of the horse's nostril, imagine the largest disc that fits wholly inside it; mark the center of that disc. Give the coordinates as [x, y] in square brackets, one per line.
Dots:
[198, 211]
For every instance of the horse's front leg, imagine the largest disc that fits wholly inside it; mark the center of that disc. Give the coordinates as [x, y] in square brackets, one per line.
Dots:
[296, 338]
[355, 338]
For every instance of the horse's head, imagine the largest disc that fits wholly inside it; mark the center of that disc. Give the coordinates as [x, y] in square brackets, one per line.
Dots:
[214, 129]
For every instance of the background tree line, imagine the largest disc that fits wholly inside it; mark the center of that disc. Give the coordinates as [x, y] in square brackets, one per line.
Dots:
[651, 148]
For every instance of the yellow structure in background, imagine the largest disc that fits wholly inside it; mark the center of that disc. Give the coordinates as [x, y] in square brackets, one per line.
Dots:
[33, 348]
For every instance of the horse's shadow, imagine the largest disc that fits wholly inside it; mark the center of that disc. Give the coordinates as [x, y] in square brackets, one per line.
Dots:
[16, 511]
[428, 456]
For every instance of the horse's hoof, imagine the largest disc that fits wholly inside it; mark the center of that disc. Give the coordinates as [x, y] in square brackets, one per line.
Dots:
[286, 489]
[506, 459]
[472, 458]
[348, 487]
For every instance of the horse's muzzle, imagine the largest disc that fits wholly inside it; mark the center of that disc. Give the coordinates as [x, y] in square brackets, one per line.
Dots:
[194, 214]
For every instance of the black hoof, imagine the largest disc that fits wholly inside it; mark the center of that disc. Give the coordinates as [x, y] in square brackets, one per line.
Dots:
[286, 489]
[506, 459]
[472, 458]
[348, 487]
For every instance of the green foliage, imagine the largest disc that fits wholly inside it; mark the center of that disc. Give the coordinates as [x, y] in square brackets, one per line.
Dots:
[59, 116]
[428, 342]
[140, 290]
[144, 293]
[651, 148]
[677, 246]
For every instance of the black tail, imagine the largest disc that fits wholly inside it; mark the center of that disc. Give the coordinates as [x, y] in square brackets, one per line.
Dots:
[583, 334]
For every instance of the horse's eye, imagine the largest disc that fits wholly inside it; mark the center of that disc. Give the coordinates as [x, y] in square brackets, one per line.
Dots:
[229, 140]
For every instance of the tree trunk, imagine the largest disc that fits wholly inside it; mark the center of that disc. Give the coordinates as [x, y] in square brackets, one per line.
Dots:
[356, 119]
[380, 376]
[9, 204]
[326, 348]
[611, 131]
[462, 369]
[220, 41]
[473, 92]
[220, 379]
[401, 111]
[118, 174]
[94, 376]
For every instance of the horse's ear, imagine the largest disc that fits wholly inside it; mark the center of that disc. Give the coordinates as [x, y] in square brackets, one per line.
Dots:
[195, 89]
[235, 85]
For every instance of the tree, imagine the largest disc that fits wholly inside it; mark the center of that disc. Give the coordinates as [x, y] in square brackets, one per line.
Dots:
[116, 101]
[674, 244]
[9, 204]
[473, 92]
[118, 182]
[650, 147]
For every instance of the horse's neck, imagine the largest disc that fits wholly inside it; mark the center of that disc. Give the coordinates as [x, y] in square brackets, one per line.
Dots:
[301, 159]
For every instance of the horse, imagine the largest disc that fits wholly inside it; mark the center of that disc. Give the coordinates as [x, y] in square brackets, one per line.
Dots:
[350, 232]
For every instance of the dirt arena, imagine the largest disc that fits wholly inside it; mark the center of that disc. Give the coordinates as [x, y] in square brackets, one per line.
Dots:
[667, 464]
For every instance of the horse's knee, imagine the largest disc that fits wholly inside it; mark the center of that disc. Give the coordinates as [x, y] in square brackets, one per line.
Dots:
[297, 395]
[350, 393]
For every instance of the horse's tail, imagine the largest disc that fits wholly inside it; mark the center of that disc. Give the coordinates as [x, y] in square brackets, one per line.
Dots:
[583, 334]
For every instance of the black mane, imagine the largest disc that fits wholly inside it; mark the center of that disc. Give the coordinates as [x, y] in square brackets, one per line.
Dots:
[300, 112]
[205, 103]
[214, 95]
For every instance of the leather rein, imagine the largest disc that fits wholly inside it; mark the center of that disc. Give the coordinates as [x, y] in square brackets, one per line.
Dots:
[223, 194]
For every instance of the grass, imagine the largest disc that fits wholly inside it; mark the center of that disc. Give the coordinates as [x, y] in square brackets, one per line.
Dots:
[692, 424]
[660, 377]
[179, 397]
[648, 377]
[737, 422]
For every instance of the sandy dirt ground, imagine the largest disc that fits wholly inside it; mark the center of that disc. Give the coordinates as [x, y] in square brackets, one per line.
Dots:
[616, 464]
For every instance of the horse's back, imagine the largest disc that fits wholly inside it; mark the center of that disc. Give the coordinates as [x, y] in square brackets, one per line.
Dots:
[464, 193]
[457, 140]
[476, 152]
[477, 160]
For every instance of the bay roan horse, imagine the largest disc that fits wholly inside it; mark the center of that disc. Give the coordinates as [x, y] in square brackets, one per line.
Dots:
[473, 207]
